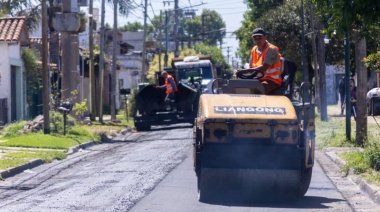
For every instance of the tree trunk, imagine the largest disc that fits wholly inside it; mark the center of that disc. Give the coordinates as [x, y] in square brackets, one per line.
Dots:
[361, 90]
[322, 74]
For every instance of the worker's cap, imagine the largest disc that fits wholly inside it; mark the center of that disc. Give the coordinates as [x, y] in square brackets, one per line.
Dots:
[258, 32]
[163, 73]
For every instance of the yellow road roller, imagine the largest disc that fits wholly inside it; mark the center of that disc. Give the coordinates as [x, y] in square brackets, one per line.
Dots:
[255, 145]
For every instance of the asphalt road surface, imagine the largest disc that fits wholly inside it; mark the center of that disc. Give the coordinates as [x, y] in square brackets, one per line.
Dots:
[154, 172]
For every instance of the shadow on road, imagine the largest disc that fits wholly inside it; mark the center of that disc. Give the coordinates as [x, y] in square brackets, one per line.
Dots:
[307, 202]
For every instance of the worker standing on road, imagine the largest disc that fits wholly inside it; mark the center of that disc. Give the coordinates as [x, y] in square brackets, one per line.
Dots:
[170, 86]
[266, 58]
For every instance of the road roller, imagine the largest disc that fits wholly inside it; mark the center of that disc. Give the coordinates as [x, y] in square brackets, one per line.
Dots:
[253, 145]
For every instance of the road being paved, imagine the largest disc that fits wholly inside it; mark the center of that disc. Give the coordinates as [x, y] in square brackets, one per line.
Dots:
[153, 172]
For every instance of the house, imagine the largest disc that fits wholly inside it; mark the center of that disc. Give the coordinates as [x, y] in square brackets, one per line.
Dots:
[13, 37]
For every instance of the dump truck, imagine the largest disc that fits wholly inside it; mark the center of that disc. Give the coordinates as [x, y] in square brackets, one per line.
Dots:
[252, 145]
[193, 76]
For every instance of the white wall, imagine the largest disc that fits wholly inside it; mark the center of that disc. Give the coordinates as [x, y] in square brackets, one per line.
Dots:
[4, 68]
[10, 56]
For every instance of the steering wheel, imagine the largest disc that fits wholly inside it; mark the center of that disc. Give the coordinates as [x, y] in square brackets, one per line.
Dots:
[215, 86]
[250, 73]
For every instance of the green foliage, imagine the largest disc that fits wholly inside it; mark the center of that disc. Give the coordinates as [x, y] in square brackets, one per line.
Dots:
[192, 27]
[347, 15]
[372, 153]
[10, 130]
[355, 161]
[373, 177]
[131, 27]
[136, 26]
[132, 109]
[33, 72]
[57, 122]
[125, 6]
[211, 27]
[80, 107]
[154, 66]
[79, 130]
[46, 156]
[39, 140]
[373, 62]
[281, 20]
[217, 57]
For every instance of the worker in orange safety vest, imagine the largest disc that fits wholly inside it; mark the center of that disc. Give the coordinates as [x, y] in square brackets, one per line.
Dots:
[266, 58]
[170, 86]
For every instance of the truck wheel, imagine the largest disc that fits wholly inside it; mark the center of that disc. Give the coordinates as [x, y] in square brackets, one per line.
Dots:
[305, 181]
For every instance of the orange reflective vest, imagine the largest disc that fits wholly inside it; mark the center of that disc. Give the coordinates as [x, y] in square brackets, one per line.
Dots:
[169, 88]
[273, 72]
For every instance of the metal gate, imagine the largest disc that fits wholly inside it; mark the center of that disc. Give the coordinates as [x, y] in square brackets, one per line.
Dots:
[3, 111]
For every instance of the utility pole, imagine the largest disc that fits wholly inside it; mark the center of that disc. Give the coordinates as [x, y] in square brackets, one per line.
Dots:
[347, 74]
[317, 83]
[166, 39]
[143, 56]
[160, 46]
[228, 54]
[113, 90]
[45, 68]
[304, 74]
[68, 23]
[176, 10]
[101, 62]
[92, 67]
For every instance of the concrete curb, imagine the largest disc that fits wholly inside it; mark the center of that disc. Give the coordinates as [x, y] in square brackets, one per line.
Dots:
[371, 190]
[37, 162]
[19, 169]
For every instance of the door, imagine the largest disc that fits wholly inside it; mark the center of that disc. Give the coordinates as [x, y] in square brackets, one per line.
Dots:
[13, 94]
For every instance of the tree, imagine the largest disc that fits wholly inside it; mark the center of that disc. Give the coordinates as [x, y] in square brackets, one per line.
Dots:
[282, 22]
[207, 27]
[217, 57]
[348, 17]
[190, 29]
[136, 26]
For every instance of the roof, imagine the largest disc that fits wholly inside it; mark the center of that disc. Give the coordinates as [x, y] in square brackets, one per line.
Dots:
[13, 29]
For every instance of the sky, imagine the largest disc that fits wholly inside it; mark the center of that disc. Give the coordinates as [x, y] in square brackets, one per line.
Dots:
[230, 11]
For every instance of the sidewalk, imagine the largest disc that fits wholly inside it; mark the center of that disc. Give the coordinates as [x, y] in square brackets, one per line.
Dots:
[333, 153]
